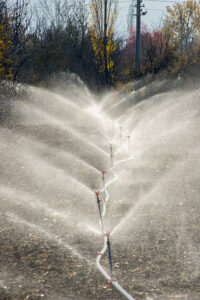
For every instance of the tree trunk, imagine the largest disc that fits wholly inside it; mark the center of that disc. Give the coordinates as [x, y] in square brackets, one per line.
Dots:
[105, 43]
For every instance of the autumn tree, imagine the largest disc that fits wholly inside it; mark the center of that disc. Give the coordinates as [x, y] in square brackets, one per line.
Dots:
[6, 63]
[19, 21]
[155, 51]
[103, 17]
[184, 22]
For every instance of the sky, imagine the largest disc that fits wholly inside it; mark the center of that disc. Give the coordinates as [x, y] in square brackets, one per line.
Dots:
[156, 10]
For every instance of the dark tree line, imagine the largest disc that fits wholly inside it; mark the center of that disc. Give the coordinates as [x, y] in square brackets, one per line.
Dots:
[57, 36]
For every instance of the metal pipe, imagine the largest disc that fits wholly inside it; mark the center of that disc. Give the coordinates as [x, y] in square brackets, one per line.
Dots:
[99, 206]
[110, 256]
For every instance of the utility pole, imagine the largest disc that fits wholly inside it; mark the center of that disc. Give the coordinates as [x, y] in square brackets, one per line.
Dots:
[105, 42]
[139, 13]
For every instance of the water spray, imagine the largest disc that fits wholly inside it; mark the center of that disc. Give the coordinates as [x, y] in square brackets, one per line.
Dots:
[112, 128]
[111, 149]
[84, 119]
[120, 134]
[129, 137]
[111, 155]
[111, 280]
[103, 179]
[111, 158]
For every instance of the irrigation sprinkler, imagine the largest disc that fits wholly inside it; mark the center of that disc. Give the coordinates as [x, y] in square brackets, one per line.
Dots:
[99, 206]
[110, 279]
[111, 155]
[103, 176]
[111, 149]
[103, 179]
[120, 134]
[111, 158]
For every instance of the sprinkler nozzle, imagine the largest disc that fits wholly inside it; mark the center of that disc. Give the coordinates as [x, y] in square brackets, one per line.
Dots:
[111, 158]
[103, 174]
[107, 234]
[120, 134]
[98, 200]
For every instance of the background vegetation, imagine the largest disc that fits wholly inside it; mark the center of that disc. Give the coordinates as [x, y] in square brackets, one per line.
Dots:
[67, 36]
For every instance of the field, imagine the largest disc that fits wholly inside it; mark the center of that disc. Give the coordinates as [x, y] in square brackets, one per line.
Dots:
[52, 154]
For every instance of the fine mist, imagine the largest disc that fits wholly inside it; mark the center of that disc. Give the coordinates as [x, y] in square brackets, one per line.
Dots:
[53, 151]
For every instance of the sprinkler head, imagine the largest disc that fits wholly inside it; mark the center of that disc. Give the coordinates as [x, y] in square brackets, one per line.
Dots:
[107, 234]
[111, 158]
[98, 200]
[103, 174]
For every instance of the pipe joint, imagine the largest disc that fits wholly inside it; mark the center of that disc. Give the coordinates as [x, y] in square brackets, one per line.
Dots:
[108, 286]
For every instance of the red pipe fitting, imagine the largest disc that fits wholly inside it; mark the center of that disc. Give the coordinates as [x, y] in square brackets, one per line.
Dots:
[108, 286]
[107, 234]
[103, 174]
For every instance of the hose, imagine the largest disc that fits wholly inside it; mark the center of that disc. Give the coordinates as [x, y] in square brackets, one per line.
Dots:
[106, 245]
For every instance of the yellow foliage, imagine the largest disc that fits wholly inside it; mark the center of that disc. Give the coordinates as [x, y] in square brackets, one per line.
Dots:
[96, 30]
[5, 61]
[183, 30]
[183, 21]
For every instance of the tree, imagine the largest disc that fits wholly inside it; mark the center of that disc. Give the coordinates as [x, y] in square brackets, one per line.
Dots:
[103, 17]
[14, 20]
[6, 64]
[156, 51]
[60, 44]
[19, 22]
[184, 21]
